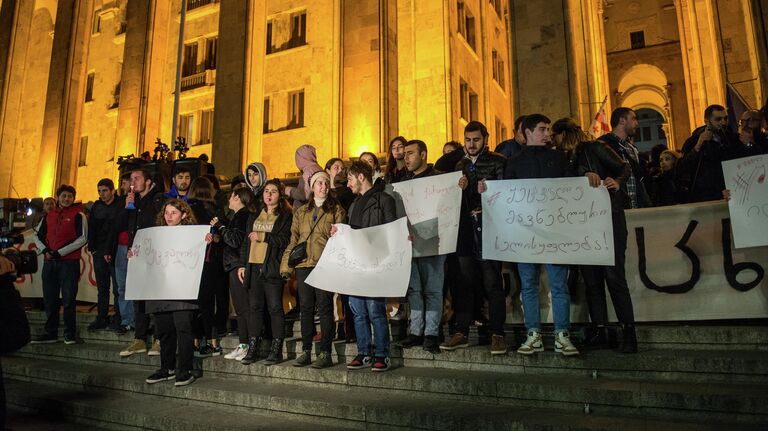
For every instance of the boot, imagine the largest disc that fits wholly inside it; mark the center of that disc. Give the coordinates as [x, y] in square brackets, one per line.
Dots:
[253, 351]
[597, 338]
[275, 352]
[630, 339]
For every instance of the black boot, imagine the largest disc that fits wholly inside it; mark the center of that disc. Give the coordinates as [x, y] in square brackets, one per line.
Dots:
[630, 339]
[596, 338]
[275, 352]
[253, 351]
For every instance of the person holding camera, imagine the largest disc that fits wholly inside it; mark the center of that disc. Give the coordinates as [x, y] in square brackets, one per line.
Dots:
[60, 236]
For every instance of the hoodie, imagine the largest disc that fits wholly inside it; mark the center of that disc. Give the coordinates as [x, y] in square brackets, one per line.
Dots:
[262, 171]
[306, 161]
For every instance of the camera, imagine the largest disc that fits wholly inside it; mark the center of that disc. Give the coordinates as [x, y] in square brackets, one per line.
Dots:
[13, 214]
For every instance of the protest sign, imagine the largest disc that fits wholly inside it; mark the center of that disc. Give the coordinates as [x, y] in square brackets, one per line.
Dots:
[167, 263]
[748, 206]
[560, 220]
[372, 262]
[432, 205]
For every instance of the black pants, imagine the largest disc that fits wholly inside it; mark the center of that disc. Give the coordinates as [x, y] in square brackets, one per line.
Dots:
[105, 276]
[596, 277]
[141, 319]
[311, 298]
[174, 329]
[244, 299]
[221, 293]
[271, 293]
[60, 277]
[206, 298]
[479, 276]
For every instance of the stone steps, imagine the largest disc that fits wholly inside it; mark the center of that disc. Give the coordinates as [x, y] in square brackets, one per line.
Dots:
[402, 398]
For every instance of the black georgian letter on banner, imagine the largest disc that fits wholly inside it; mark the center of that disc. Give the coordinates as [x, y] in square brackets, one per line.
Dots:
[682, 245]
[731, 270]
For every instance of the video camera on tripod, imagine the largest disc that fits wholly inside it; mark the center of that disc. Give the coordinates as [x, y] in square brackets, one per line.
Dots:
[13, 214]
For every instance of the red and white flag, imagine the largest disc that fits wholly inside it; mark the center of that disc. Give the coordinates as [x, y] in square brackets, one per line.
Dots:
[600, 125]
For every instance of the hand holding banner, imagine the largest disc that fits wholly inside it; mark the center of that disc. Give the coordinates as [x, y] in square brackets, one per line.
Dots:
[372, 262]
[748, 206]
[167, 263]
[560, 220]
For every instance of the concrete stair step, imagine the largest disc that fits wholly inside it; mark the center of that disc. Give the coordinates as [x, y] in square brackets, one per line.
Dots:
[391, 399]
[112, 410]
[528, 389]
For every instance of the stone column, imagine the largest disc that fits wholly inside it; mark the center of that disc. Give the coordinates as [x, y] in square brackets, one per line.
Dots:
[228, 116]
[66, 86]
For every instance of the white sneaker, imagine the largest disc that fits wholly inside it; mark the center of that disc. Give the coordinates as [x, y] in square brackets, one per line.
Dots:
[563, 344]
[532, 344]
[238, 353]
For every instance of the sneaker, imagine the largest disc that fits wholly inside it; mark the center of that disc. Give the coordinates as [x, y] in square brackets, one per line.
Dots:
[98, 324]
[380, 364]
[216, 351]
[532, 344]
[431, 344]
[204, 351]
[458, 341]
[410, 341]
[123, 329]
[136, 346]
[498, 345]
[360, 362]
[304, 359]
[161, 376]
[563, 344]
[155, 350]
[238, 353]
[323, 360]
[69, 340]
[45, 339]
[184, 378]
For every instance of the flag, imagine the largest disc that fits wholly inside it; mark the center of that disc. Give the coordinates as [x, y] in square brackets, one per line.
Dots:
[600, 125]
[736, 106]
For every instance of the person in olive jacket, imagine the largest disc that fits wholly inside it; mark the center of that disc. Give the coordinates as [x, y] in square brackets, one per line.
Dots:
[312, 224]
[268, 232]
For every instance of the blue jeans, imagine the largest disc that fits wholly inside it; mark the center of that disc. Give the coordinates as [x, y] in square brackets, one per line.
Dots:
[121, 272]
[425, 295]
[557, 277]
[105, 277]
[60, 277]
[367, 312]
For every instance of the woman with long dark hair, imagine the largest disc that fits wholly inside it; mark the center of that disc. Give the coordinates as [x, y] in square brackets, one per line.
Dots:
[312, 225]
[268, 233]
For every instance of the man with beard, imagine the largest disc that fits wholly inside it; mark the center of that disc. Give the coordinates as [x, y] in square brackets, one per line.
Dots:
[181, 181]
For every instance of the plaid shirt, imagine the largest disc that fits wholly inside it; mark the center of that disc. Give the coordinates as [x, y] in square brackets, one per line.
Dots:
[628, 151]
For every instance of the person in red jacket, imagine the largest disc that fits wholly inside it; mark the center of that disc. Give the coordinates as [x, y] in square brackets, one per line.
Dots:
[60, 236]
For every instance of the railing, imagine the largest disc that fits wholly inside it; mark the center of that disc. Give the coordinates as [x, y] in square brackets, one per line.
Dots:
[206, 77]
[194, 4]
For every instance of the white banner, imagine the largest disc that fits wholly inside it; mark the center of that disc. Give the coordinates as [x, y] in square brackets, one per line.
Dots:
[432, 205]
[547, 220]
[372, 262]
[167, 263]
[745, 178]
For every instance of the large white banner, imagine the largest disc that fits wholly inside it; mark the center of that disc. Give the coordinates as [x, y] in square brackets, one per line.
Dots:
[372, 262]
[432, 205]
[745, 178]
[167, 263]
[547, 220]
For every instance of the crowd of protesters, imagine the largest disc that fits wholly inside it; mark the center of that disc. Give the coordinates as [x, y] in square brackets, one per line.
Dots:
[264, 233]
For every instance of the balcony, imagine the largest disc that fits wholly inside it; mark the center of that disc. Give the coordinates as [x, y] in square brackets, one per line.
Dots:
[202, 79]
[194, 4]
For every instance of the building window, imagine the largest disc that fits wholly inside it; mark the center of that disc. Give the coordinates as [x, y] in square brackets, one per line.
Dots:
[297, 36]
[501, 131]
[96, 28]
[637, 39]
[266, 120]
[661, 133]
[270, 45]
[83, 151]
[206, 127]
[295, 109]
[468, 102]
[498, 68]
[211, 48]
[194, 4]
[189, 62]
[466, 24]
[186, 127]
[298, 30]
[89, 87]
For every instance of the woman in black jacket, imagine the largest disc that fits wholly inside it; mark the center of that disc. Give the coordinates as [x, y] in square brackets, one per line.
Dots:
[268, 233]
[242, 203]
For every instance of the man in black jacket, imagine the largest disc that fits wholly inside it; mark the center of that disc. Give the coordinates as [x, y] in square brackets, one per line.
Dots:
[425, 288]
[14, 327]
[512, 147]
[479, 163]
[102, 222]
[372, 207]
[147, 200]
